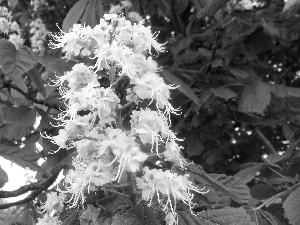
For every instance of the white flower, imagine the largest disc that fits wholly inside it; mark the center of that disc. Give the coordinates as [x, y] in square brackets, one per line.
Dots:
[83, 176]
[72, 42]
[151, 126]
[48, 220]
[168, 187]
[16, 40]
[127, 152]
[173, 154]
[4, 25]
[152, 86]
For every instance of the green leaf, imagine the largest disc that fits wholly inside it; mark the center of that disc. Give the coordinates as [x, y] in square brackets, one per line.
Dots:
[271, 219]
[194, 145]
[248, 174]
[144, 214]
[93, 13]
[233, 185]
[14, 62]
[183, 87]
[224, 93]
[69, 217]
[120, 203]
[240, 73]
[3, 177]
[19, 115]
[282, 91]
[55, 65]
[255, 97]
[214, 6]
[37, 79]
[292, 207]
[225, 216]
[124, 219]
[24, 156]
[74, 15]
[180, 6]
[12, 131]
[227, 185]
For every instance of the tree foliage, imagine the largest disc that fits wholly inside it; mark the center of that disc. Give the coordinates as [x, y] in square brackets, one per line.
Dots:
[236, 66]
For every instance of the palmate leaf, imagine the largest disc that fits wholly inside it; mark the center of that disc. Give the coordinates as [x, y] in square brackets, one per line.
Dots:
[12, 131]
[19, 115]
[292, 207]
[14, 62]
[225, 216]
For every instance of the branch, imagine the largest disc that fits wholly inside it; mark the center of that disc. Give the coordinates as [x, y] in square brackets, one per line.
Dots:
[28, 96]
[37, 189]
[266, 141]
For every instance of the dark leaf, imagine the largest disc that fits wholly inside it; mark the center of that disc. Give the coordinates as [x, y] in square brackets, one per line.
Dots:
[180, 6]
[74, 15]
[37, 79]
[144, 214]
[248, 174]
[19, 115]
[224, 93]
[12, 131]
[93, 13]
[225, 216]
[124, 219]
[120, 203]
[183, 87]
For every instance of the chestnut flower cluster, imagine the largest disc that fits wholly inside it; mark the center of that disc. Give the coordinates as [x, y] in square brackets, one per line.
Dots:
[10, 29]
[107, 152]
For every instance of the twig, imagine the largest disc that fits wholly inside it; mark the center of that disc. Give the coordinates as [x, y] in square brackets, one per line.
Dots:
[266, 141]
[55, 172]
[28, 96]
[281, 194]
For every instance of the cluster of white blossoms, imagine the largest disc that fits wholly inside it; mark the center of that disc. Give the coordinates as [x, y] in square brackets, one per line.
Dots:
[10, 29]
[38, 3]
[39, 34]
[92, 123]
